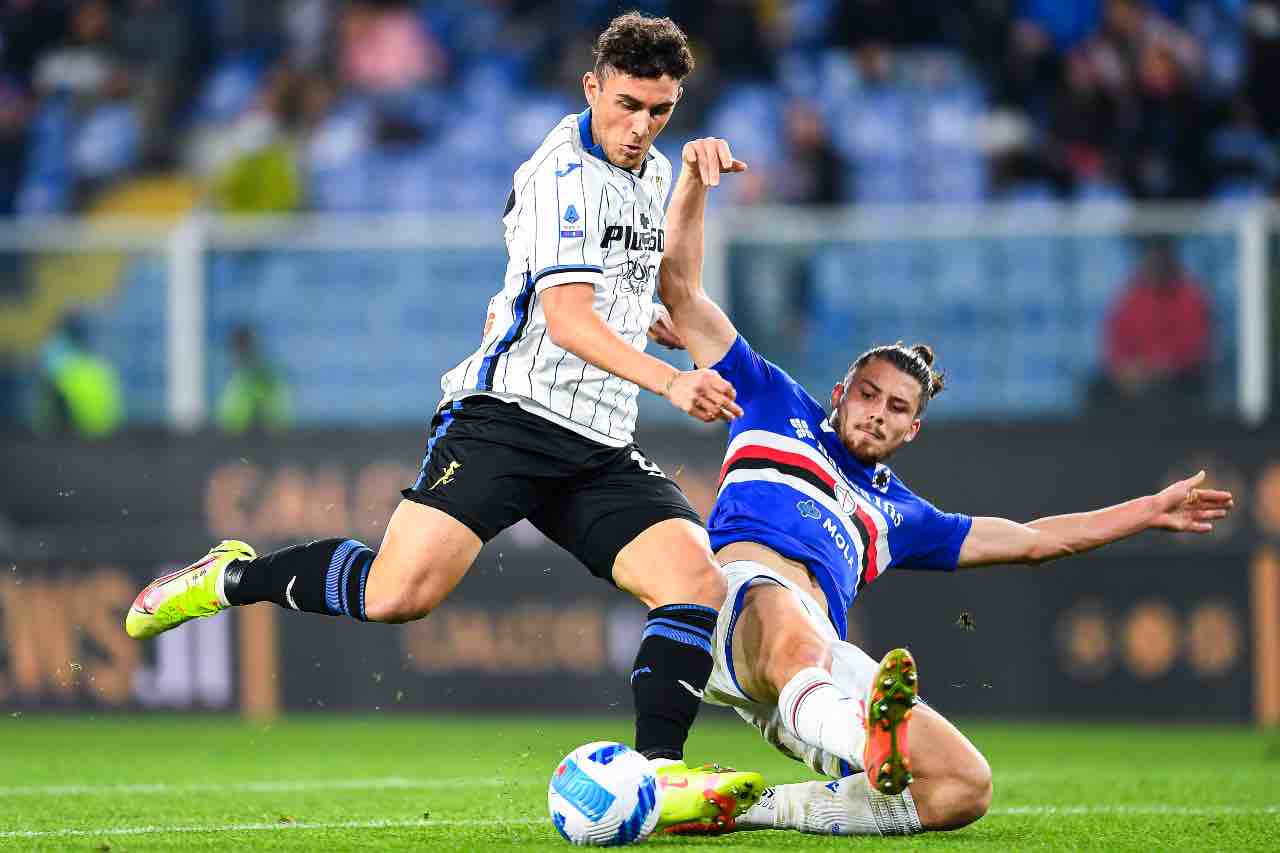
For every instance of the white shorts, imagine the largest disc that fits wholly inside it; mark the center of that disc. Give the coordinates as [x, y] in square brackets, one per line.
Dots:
[851, 668]
[740, 576]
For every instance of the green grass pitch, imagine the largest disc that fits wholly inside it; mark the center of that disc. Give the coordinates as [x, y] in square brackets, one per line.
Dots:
[435, 783]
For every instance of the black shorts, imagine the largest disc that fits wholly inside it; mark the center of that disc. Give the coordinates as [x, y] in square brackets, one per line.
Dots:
[490, 464]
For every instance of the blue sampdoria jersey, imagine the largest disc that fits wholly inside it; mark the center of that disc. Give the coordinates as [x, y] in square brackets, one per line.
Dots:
[789, 484]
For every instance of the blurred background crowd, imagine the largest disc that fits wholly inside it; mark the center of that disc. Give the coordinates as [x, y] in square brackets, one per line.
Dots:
[160, 107]
[380, 105]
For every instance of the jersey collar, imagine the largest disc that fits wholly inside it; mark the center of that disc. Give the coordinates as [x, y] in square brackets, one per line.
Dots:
[590, 146]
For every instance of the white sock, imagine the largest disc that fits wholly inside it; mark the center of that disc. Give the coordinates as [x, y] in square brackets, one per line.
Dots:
[847, 806]
[817, 712]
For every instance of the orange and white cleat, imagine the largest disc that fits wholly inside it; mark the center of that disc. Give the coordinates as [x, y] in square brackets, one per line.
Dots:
[893, 695]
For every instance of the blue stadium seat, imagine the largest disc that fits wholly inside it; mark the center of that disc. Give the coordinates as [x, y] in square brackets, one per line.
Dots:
[947, 106]
[127, 328]
[874, 131]
[751, 117]
[107, 141]
[229, 89]
[337, 159]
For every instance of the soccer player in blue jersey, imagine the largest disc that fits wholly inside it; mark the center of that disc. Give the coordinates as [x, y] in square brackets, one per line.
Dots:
[806, 516]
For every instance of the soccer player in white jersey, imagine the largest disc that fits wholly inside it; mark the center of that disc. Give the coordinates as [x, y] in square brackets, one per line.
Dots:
[806, 516]
[537, 423]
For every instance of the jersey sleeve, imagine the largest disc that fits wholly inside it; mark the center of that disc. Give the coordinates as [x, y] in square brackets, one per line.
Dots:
[937, 540]
[750, 374]
[566, 224]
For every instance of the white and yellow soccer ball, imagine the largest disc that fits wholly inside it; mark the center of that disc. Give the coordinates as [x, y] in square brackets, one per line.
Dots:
[603, 794]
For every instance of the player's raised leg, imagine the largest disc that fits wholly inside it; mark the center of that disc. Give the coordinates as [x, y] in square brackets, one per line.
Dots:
[951, 787]
[782, 657]
[423, 556]
[670, 568]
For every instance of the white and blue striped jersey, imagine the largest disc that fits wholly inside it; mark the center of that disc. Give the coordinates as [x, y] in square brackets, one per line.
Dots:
[790, 484]
[573, 217]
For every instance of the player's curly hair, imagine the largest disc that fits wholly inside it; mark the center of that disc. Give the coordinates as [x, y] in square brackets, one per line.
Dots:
[642, 46]
[916, 361]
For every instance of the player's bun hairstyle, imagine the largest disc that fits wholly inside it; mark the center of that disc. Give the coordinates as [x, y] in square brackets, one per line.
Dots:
[916, 361]
[642, 46]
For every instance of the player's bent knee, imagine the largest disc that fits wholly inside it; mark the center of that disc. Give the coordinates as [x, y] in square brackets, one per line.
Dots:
[691, 582]
[696, 579]
[671, 563]
[965, 797]
[980, 789]
[403, 604]
[707, 584]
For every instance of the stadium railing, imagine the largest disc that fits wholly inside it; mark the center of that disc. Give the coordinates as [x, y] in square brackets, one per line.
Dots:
[364, 313]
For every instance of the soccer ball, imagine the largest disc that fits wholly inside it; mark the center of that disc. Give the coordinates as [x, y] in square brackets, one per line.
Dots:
[603, 794]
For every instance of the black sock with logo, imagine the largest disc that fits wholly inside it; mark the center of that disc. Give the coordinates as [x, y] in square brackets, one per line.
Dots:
[327, 576]
[671, 671]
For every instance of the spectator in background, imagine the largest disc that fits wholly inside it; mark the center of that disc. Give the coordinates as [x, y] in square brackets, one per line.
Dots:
[1157, 335]
[256, 160]
[1262, 63]
[256, 397]
[888, 23]
[814, 169]
[30, 28]
[1084, 124]
[1150, 68]
[732, 32]
[86, 66]
[1168, 156]
[1130, 28]
[383, 47]
[15, 122]
[77, 391]
[154, 39]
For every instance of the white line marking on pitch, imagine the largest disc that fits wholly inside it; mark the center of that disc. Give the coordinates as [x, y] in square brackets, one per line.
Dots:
[268, 787]
[108, 832]
[1173, 811]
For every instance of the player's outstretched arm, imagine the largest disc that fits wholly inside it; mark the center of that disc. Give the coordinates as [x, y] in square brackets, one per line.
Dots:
[574, 325]
[1182, 507]
[701, 326]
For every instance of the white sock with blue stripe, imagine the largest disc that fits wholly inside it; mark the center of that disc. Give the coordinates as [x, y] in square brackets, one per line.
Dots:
[817, 712]
[847, 806]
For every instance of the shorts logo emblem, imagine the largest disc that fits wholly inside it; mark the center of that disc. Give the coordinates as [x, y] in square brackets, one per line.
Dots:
[687, 686]
[447, 477]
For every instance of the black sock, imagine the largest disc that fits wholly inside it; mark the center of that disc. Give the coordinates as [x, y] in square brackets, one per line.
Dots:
[675, 647]
[327, 576]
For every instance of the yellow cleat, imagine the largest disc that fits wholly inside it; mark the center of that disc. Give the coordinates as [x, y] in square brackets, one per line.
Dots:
[189, 593]
[704, 800]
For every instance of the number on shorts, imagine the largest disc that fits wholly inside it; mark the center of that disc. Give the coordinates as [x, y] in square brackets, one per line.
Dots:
[650, 469]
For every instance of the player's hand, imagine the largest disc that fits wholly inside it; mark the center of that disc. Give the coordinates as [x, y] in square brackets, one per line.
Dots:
[1184, 507]
[663, 331]
[708, 159]
[703, 394]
